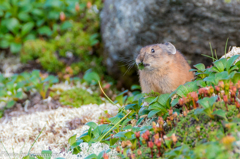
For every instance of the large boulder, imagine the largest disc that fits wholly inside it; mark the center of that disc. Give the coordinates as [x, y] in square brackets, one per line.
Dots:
[127, 25]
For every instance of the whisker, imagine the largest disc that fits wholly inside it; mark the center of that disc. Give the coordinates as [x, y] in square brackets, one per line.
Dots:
[129, 68]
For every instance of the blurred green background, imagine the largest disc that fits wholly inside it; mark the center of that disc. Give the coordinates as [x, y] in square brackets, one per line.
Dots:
[62, 36]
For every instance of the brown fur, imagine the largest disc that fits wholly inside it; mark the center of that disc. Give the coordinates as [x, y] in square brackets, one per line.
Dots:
[166, 71]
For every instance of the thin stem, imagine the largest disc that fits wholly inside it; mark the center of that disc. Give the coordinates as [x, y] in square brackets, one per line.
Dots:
[36, 139]
[21, 150]
[152, 152]
[211, 51]
[159, 152]
[109, 98]
[114, 126]
[226, 47]
[5, 149]
[226, 106]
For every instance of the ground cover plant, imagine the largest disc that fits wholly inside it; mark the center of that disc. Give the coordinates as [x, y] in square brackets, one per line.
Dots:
[198, 120]
[61, 36]
[27, 19]
[19, 88]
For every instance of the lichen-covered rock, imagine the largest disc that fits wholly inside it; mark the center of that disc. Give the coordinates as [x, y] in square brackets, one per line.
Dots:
[126, 26]
[234, 51]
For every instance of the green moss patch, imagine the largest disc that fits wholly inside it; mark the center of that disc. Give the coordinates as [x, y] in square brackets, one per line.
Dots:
[78, 97]
[186, 128]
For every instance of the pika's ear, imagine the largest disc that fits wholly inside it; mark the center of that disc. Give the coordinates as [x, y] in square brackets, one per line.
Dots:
[170, 48]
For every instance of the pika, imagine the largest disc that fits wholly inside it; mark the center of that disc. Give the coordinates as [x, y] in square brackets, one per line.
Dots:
[162, 68]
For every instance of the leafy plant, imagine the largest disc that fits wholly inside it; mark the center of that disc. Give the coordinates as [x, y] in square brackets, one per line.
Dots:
[41, 83]
[24, 20]
[76, 45]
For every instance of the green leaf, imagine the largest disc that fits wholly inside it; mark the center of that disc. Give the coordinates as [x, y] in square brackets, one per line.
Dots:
[92, 156]
[114, 120]
[30, 36]
[96, 132]
[45, 30]
[19, 95]
[233, 68]
[150, 100]
[134, 87]
[46, 154]
[10, 104]
[4, 44]
[220, 113]
[76, 144]
[214, 69]
[231, 61]
[26, 28]
[221, 76]
[188, 87]
[163, 99]
[53, 15]
[200, 66]
[66, 25]
[91, 124]
[91, 76]
[128, 134]
[236, 78]
[15, 47]
[152, 113]
[24, 16]
[93, 42]
[220, 64]
[120, 134]
[201, 83]
[86, 138]
[13, 25]
[211, 78]
[207, 102]
[38, 12]
[128, 127]
[40, 22]
[131, 106]
[198, 111]
[72, 139]
[174, 102]
[156, 106]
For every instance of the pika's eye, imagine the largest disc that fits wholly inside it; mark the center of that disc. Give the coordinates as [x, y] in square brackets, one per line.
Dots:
[152, 50]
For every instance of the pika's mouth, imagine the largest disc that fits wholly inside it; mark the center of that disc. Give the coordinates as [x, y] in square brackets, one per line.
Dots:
[142, 65]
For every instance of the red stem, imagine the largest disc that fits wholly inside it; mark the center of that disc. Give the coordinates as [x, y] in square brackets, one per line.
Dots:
[226, 106]
[139, 142]
[159, 152]
[194, 104]
[152, 152]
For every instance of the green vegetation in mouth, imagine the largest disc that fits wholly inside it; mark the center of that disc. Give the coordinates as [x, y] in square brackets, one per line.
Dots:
[140, 66]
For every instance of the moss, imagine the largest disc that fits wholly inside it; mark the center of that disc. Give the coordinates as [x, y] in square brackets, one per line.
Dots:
[186, 127]
[44, 52]
[77, 97]
[32, 50]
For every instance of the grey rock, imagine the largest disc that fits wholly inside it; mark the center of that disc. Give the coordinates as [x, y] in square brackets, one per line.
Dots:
[127, 25]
